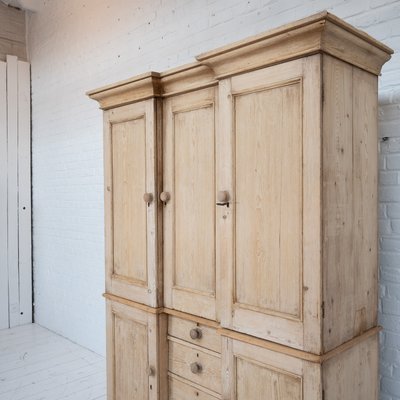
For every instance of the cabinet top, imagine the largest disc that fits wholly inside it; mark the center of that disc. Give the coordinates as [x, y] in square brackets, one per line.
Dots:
[319, 33]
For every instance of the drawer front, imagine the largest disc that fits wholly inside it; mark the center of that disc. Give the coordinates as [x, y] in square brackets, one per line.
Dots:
[198, 334]
[196, 365]
[179, 390]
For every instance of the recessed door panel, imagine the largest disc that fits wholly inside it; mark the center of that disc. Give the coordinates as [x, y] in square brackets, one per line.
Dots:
[268, 228]
[255, 381]
[129, 209]
[131, 371]
[194, 200]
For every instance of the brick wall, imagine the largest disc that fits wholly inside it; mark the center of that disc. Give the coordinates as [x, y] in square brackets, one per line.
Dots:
[79, 45]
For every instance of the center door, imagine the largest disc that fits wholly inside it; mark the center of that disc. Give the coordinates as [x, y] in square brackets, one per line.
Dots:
[189, 203]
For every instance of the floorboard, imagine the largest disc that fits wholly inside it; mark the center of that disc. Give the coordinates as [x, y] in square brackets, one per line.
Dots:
[36, 364]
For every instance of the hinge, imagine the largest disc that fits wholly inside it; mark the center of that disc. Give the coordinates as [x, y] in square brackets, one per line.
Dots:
[323, 309]
[322, 92]
[323, 394]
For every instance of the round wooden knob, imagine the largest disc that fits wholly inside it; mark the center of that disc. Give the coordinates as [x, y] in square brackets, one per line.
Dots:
[152, 371]
[223, 196]
[195, 368]
[165, 196]
[195, 333]
[148, 197]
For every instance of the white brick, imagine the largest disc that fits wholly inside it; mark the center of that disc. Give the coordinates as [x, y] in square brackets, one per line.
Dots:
[393, 210]
[389, 193]
[393, 162]
[388, 178]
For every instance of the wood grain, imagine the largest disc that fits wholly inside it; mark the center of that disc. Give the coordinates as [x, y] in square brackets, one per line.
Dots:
[189, 216]
[349, 202]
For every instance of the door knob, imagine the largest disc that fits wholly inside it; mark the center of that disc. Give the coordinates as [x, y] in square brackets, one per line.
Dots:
[195, 368]
[223, 198]
[152, 371]
[148, 197]
[165, 196]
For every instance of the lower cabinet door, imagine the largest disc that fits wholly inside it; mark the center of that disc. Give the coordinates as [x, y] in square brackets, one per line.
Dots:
[256, 373]
[136, 353]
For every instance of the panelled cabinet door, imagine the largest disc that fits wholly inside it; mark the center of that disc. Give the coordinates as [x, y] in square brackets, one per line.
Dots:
[189, 203]
[255, 373]
[131, 206]
[269, 234]
[135, 354]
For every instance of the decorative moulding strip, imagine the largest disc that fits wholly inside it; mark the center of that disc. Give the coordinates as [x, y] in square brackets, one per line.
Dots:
[138, 88]
[320, 33]
[311, 357]
[133, 304]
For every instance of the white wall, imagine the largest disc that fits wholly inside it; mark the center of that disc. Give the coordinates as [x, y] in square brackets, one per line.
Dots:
[78, 45]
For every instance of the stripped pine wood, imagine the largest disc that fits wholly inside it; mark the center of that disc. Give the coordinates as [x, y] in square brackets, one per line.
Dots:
[266, 183]
[136, 342]
[349, 202]
[38, 364]
[4, 314]
[133, 270]
[189, 215]
[269, 179]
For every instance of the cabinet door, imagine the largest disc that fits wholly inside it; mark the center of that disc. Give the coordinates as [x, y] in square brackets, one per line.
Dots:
[256, 373]
[189, 213]
[269, 234]
[131, 206]
[136, 354]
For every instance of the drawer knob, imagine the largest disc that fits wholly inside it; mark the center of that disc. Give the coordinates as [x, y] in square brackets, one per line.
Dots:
[152, 371]
[164, 197]
[148, 198]
[196, 368]
[196, 333]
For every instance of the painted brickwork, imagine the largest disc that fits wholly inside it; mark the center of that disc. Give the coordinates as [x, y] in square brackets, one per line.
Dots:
[78, 45]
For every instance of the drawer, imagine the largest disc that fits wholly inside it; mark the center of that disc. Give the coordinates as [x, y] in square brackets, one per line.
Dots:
[181, 390]
[192, 332]
[195, 364]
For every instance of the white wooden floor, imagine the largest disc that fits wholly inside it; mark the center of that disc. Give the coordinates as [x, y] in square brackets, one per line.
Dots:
[36, 364]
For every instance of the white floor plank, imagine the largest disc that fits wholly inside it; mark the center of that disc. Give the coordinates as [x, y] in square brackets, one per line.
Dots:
[36, 364]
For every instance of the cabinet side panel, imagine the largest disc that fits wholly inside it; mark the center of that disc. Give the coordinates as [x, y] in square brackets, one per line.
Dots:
[349, 202]
[353, 374]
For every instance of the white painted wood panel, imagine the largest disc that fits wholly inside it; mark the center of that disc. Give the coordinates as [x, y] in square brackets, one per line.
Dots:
[12, 149]
[3, 199]
[24, 194]
[15, 194]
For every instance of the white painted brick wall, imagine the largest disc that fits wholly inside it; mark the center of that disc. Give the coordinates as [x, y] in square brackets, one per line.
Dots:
[78, 45]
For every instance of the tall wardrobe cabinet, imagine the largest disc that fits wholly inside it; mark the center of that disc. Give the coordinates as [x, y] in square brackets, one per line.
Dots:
[241, 221]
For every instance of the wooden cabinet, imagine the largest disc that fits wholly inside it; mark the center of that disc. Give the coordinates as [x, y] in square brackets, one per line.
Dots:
[241, 200]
